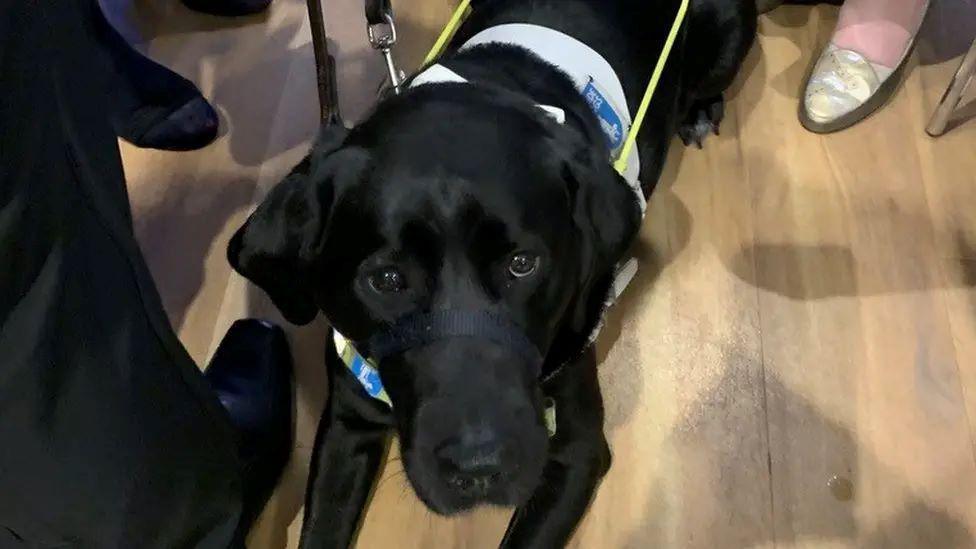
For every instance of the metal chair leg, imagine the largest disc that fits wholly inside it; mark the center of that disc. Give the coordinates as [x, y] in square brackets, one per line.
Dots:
[950, 99]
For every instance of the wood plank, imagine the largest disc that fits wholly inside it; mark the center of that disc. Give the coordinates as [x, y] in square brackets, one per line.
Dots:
[867, 419]
[949, 176]
[794, 364]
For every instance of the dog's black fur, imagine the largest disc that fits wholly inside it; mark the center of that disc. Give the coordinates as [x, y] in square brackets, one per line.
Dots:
[423, 207]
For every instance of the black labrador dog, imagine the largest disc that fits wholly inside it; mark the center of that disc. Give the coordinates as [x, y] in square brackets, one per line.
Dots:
[465, 238]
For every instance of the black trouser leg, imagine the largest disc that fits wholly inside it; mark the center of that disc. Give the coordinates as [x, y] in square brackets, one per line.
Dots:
[109, 435]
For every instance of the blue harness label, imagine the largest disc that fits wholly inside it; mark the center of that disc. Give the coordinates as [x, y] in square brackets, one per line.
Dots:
[367, 376]
[612, 125]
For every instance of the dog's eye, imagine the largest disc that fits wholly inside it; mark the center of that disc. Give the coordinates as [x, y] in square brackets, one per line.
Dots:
[523, 264]
[388, 281]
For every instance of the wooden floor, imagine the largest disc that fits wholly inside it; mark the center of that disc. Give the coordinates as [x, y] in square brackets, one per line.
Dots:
[795, 365]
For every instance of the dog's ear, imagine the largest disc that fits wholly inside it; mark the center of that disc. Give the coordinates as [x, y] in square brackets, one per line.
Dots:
[607, 214]
[276, 246]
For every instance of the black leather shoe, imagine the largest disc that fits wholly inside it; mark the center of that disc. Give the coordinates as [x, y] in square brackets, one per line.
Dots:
[228, 8]
[251, 372]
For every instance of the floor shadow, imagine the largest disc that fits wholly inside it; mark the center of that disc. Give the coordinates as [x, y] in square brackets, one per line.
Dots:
[797, 271]
[617, 349]
[811, 272]
[753, 68]
[783, 22]
[725, 469]
[867, 256]
[622, 378]
[800, 493]
[250, 108]
[919, 525]
[966, 250]
[177, 233]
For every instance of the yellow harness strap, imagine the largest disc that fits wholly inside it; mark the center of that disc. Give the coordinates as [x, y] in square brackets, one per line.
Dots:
[463, 10]
[453, 24]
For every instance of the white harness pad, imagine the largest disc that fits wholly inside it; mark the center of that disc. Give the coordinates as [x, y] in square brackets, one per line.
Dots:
[593, 76]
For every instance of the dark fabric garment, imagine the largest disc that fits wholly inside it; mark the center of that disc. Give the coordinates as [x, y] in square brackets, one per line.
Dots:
[109, 435]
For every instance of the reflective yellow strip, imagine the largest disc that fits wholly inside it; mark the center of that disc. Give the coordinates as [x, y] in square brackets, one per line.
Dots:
[384, 398]
[621, 163]
[550, 417]
[452, 26]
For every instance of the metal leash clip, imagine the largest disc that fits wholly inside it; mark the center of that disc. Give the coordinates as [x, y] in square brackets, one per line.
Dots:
[384, 42]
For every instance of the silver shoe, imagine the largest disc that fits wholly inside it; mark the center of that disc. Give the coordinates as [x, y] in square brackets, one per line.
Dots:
[844, 88]
[842, 81]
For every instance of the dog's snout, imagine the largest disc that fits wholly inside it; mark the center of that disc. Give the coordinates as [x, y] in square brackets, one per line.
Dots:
[475, 435]
[472, 463]
[474, 484]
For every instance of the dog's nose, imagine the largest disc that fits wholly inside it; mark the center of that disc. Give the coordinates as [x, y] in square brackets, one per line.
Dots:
[472, 465]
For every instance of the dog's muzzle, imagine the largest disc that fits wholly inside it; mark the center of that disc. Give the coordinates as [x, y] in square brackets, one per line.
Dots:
[421, 329]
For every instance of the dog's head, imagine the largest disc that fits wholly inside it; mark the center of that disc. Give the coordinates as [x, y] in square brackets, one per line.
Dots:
[454, 198]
